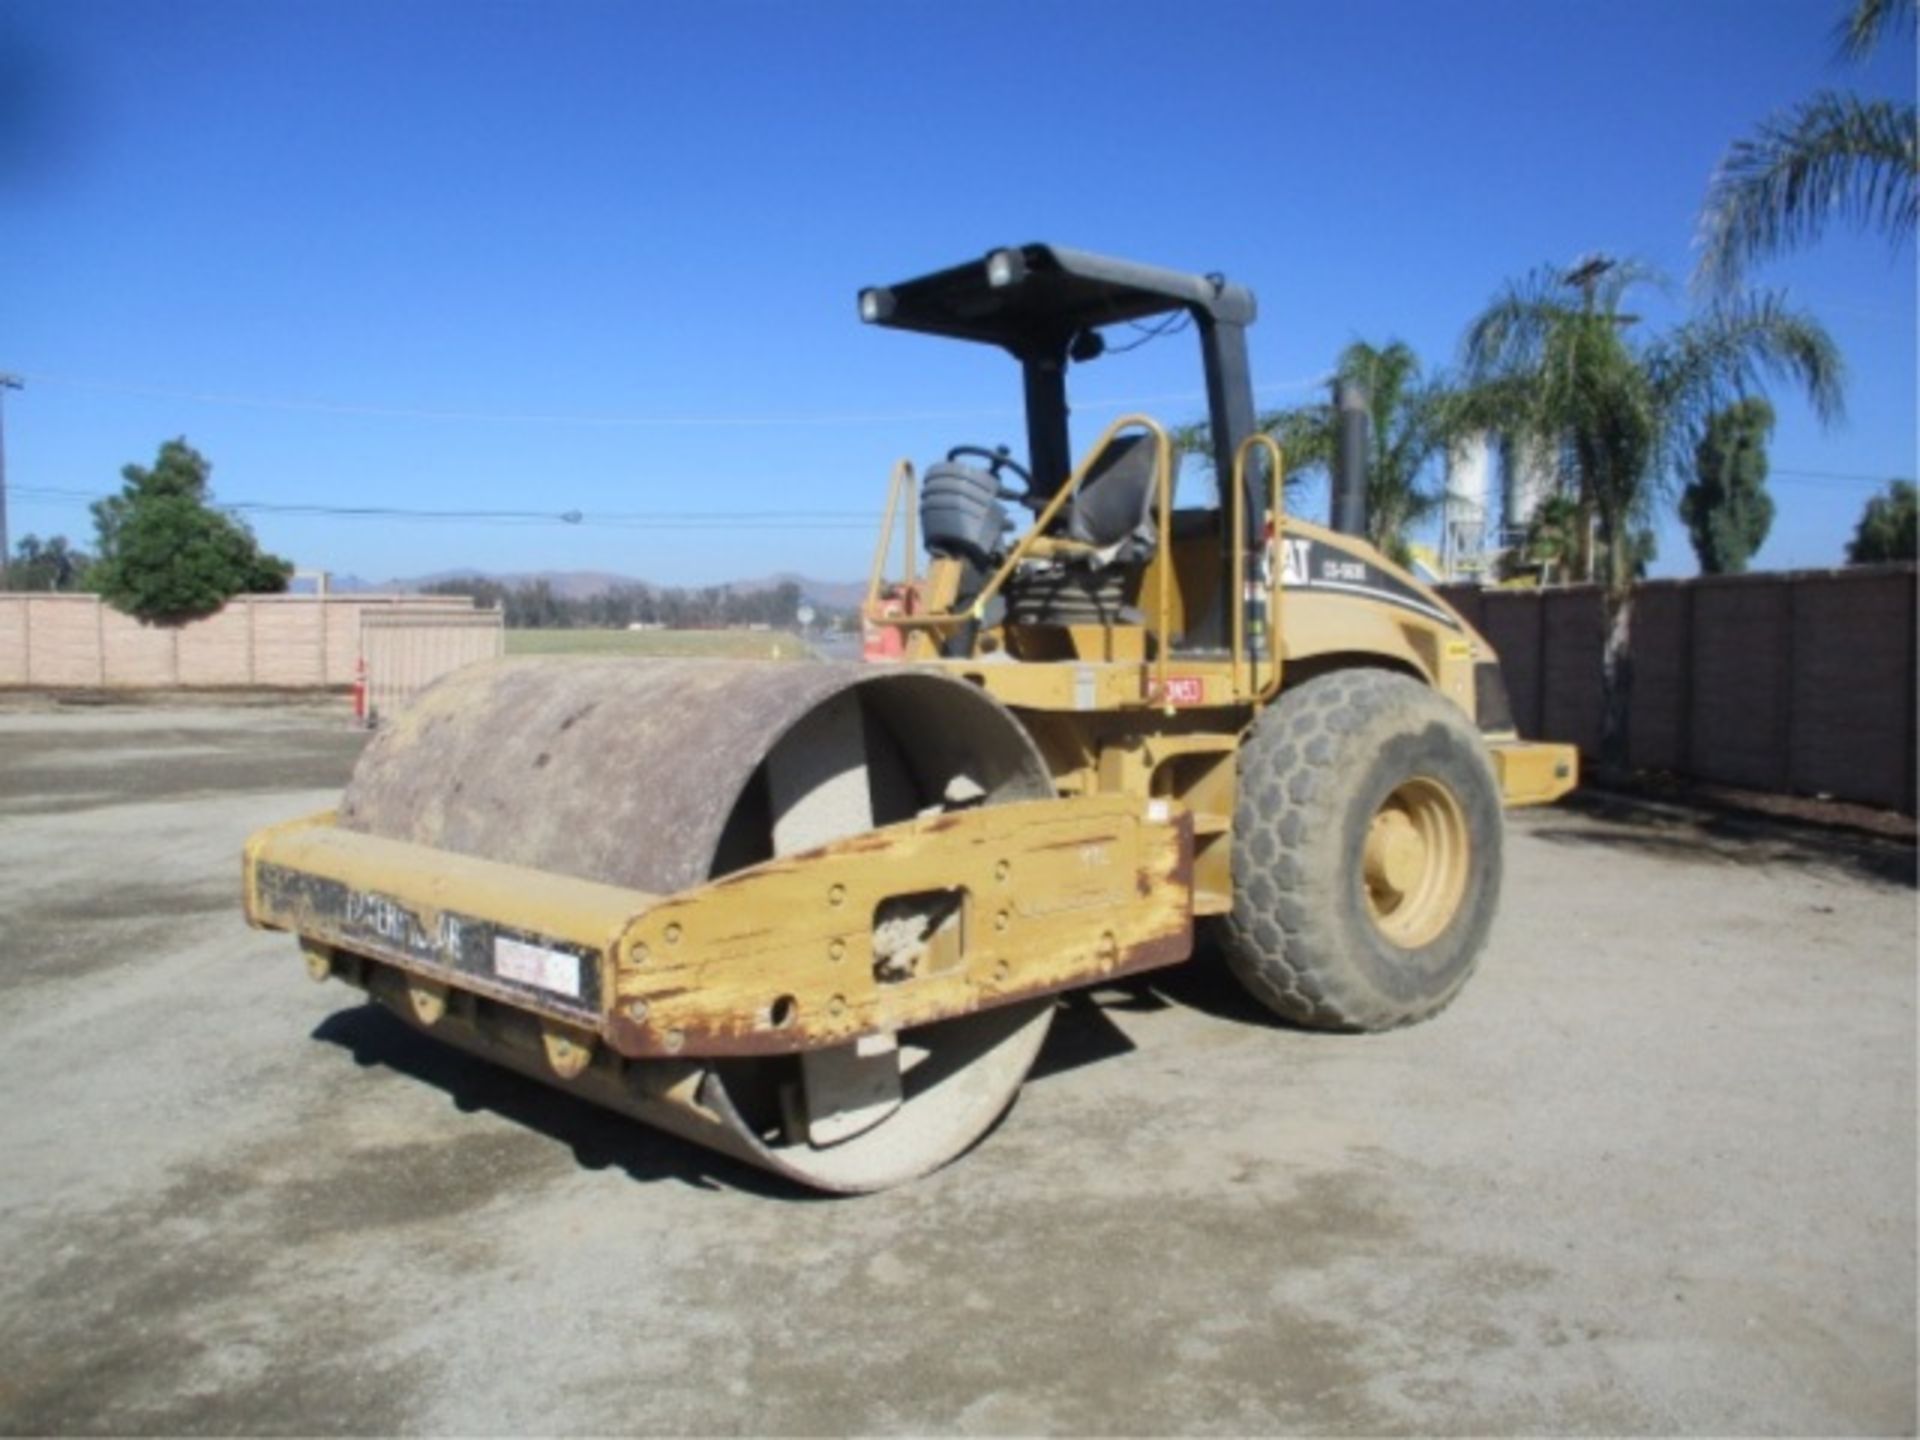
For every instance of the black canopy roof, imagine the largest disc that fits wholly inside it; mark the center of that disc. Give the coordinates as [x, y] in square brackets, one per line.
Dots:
[1046, 294]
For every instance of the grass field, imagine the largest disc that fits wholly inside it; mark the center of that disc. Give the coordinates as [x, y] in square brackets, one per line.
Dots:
[710, 644]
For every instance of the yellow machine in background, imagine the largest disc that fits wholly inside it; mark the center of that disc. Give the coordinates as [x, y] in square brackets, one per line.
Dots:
[816, 916]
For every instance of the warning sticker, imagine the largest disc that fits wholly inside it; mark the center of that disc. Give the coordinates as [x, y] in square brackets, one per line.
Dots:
[537, 966]
[1180, 690]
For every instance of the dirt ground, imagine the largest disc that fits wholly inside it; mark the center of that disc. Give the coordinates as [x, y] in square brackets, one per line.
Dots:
[1655, 1171]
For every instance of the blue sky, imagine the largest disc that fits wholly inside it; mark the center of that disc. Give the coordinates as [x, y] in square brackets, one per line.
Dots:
[603, 256]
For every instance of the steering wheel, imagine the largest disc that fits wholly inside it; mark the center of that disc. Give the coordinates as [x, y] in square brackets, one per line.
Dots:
[998, 460]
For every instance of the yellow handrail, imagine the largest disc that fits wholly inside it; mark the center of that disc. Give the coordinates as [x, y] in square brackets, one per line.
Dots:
[1254, 688]
[1065, 493]
[902, 484]
[1237, 507]
[1276, 575]
[1163, 490]
[1246, 680]
[1163, 554]
[1036, 533]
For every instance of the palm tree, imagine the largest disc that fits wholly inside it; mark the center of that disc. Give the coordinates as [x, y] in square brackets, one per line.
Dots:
[1835, 155]
[1555, 363]
[1408, 413]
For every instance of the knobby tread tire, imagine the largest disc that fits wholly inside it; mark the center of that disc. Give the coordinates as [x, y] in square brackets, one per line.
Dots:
[1315, 768]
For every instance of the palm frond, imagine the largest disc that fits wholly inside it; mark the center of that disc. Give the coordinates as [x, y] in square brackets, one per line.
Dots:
[1196, 439]
[1385, 372]
[1501, 405]
[1510, 331]
[1621, 276]
[1306, 438]
[1864, 26]
[1733, 348]
[1193, 439]
[1835, 156]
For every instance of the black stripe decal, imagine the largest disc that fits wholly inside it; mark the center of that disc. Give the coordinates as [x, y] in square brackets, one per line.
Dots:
[1315, 565]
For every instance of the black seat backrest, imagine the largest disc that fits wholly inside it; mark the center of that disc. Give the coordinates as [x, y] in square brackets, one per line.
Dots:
[1115, 503]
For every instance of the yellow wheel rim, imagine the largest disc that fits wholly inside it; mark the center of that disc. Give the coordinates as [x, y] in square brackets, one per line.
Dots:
[1415, 863]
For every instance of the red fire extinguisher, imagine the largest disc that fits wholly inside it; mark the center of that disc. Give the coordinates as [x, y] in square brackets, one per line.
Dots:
[879, 640]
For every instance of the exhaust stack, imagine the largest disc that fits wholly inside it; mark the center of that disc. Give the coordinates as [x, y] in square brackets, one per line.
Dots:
[1350, 467]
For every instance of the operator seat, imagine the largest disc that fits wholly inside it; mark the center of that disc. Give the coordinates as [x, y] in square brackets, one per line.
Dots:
[1113, 514]
[1114, 509]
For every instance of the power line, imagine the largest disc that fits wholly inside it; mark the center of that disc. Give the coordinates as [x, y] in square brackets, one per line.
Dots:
[1852, 476]
[663, 421]
[651, 520]
[672, 519]
[666, 421]
[620, 519]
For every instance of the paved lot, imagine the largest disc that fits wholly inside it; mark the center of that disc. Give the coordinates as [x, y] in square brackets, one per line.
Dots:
[1654, 1172]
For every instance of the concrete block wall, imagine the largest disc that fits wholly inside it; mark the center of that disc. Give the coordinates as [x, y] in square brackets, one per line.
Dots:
[290, 641]
[1798, 682]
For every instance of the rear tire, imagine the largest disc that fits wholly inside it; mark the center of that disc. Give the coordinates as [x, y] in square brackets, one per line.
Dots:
[1366, 853]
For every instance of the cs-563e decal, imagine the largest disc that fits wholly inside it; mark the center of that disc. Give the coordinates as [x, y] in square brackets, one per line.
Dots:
[1308, 564]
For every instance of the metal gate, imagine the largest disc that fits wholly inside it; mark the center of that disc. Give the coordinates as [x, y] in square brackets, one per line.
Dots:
[405, 653]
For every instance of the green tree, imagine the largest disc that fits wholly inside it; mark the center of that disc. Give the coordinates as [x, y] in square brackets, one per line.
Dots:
[52, 564]
[1556, 363]
[1643, 548]
[1726, 508]
[1886, 528]
[1552, 539]
[1409, 414]
[166, 553]
[1834, 156]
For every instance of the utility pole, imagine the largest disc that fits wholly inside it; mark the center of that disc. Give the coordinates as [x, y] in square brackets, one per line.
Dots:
[7, 382]
[1585, 276]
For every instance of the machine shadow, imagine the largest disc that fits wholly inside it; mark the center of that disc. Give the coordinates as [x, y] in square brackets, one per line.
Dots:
[1206, 984]
[1604, 822]
[599, 1139]
[1081, 1035]
[1084, 1032]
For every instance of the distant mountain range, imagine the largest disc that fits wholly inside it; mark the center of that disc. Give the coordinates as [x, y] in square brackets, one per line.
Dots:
[583, 584]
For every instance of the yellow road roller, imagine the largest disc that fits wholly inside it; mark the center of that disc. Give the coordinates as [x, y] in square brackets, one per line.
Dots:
[818, 915]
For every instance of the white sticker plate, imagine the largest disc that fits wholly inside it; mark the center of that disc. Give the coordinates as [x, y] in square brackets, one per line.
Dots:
[537, 966]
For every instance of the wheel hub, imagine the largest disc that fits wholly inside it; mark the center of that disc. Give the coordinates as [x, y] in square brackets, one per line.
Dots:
[1396, 853]
[1415, 863]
